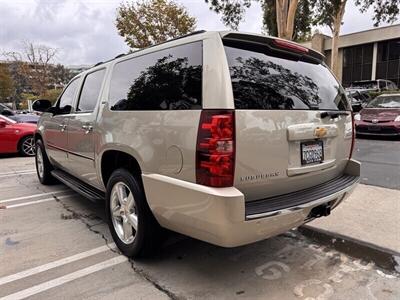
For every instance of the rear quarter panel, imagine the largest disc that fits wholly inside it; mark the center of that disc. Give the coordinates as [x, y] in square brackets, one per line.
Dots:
[162, 142]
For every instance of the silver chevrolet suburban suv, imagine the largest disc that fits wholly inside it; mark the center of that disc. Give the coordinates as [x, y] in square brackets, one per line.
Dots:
[226, 137]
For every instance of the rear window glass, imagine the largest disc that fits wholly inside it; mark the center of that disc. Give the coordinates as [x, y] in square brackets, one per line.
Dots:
[261, 80]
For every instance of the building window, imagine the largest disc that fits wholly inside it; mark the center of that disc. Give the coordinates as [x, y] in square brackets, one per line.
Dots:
[388, 61]
[357, 63]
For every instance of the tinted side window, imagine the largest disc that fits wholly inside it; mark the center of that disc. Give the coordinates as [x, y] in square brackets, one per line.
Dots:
[263, 80]
[90, 91]
[169, 79]
[67, 98]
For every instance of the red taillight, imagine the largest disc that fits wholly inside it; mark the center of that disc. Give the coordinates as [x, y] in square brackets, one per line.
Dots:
[290, 46]
[353, 134]
[215, 150]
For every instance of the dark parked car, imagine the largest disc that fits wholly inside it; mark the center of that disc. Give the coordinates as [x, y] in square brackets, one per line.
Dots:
[380, 117]
[359, 99]
[377, 85]
[19, 118]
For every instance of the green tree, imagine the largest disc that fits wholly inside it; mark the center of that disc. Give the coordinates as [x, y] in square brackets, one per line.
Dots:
[33, 63]
[289, 19]
[21, 81]
[384, 10]
[51, 95]
[60, 75]
[148, 22]
[6, 83]
[302, 22]
[232, 11]
[330, 13]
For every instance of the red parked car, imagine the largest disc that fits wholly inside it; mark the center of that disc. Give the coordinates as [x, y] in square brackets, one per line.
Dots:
[381, 116]
[16, 137]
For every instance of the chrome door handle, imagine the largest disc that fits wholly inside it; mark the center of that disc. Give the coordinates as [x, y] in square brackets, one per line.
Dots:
[62, 127]
[87, 128]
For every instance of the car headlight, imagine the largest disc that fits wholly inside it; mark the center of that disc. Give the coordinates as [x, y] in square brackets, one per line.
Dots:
[397, 119]
[357, 117]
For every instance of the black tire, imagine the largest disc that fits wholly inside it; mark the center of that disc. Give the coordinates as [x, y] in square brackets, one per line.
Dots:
[27, 146]
[44, 175]
[146, 239]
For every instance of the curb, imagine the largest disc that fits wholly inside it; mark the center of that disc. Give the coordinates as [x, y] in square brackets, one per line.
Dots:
[382, 257]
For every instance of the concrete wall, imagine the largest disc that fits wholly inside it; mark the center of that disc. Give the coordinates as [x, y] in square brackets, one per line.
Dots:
[365, 37]
[340, 58]
[318, 42]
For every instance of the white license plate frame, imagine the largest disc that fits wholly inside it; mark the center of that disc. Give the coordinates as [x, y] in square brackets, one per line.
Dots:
[311, 152]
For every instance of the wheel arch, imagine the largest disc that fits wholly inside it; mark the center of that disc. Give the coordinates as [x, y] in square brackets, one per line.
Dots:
[37, 136]
[112, 160]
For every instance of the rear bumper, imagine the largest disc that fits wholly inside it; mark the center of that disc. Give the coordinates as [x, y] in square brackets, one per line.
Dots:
[311, 197]
[222, 217]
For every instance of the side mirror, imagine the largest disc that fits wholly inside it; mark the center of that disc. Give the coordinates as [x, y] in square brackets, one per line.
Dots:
[41, 105]
[3, 123]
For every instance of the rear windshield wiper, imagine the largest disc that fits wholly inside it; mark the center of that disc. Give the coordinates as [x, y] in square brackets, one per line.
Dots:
[333, 114]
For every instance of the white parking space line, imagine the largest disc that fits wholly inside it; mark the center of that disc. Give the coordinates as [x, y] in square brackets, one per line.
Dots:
[55, 264]
[65, 279]
[36, 202]
[17, 174]
[19, 171]
[34, 196]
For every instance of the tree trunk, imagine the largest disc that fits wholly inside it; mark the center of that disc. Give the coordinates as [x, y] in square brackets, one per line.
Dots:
[285, 14]
[279, 17]
[290, 19]
[337, 23]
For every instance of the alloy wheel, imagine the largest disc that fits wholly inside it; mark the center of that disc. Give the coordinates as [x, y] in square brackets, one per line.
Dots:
[28, 146]
[123, 212]
[39, 162]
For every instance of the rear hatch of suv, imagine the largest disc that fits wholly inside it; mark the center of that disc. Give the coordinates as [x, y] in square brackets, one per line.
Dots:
[293, 121]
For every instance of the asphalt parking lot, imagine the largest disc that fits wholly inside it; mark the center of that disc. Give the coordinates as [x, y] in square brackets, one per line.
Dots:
[54, 244]
[380, 161]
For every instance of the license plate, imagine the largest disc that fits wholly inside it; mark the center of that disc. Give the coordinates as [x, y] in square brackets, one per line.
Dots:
[312, 152]
[374, 128]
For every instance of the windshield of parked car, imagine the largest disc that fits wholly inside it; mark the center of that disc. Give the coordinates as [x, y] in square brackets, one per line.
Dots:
[7, 119]
[385, 102]
[365, 84]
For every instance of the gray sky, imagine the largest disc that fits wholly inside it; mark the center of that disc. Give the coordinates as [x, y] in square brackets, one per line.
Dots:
[85, 33]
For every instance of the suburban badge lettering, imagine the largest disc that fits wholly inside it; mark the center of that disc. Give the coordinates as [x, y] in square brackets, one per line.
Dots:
[259, 176]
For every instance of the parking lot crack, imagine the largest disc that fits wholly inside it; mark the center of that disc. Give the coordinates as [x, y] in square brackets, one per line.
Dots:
[153, 282]
[83, 218]
[29, 186]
